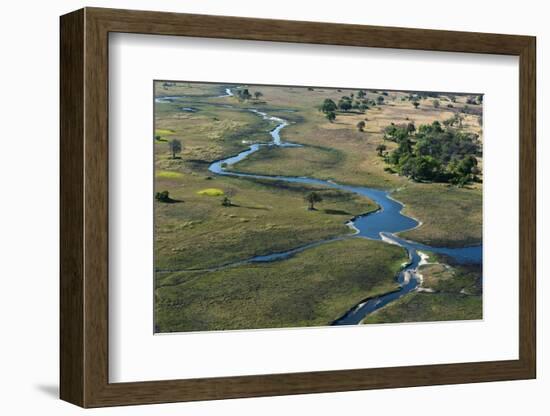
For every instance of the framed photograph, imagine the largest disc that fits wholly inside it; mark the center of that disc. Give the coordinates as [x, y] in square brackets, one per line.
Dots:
[262, 207]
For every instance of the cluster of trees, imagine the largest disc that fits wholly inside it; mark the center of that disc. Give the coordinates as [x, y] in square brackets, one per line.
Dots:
[358, 102]
[477, 100]
[245, 95]
[329, 108]
[421, 95]
[414, 98]
[433, 153]
[456, 120]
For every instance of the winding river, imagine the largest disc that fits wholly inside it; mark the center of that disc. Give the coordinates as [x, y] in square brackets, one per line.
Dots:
[382, 225]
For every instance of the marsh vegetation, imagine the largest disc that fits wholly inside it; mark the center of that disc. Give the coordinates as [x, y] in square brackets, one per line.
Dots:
[427, 155]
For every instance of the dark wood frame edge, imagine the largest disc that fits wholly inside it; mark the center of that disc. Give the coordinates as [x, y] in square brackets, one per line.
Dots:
[84, 207]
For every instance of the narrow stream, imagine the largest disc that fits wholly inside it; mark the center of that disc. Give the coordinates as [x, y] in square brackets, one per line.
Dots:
[380, 225]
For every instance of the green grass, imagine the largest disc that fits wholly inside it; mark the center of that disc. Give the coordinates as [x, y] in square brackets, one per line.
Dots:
[318, 285]
[266, 216]
[211, 192]
[426, 307]
[300, 161]
[312, 288]
[210, 134]
[451, 216]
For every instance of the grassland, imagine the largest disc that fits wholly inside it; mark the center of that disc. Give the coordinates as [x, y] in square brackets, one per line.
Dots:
[314, 287]
[210, 133]
[265, 217]
[451, 216]
[195, 234]
[429, 307]
[170, 89]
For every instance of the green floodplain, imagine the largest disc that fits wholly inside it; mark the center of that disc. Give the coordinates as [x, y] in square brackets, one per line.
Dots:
[205, 224]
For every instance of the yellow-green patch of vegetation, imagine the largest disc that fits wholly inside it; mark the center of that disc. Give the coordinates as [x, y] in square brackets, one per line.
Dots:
[168, 174]
[211, 192]
[313, 288]
[164, 132]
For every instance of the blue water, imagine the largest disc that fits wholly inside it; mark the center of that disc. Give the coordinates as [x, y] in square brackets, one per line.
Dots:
[382, 224]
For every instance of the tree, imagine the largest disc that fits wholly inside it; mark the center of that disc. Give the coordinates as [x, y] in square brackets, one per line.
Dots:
[423, 168]
[331, 116]
[328, 106]
[381, 148]
[226, 201]
[416, 104]
[380, 100]
[244, 94]
[464, 170]
[435, 103]
[396, 133]
[361, 94]
[258, 95]
[163, 196]
[175, 147]
[345, 104]
[459, 119]
[312, 198]
[361, 125]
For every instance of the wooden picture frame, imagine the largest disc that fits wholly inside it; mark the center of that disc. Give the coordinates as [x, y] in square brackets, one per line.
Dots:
[84, 207]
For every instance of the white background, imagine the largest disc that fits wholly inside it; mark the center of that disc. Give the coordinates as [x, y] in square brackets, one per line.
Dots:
[29, 217]
[134, 62]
